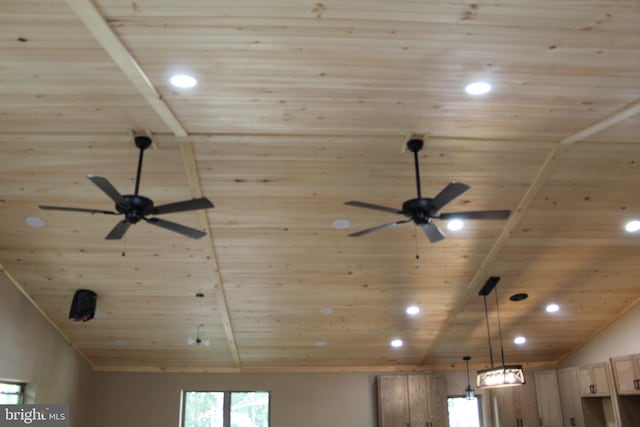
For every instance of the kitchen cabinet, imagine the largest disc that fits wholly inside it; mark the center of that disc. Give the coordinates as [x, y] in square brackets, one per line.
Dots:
[412, 401]
[517, 406]
[570, 397]
[593, 380]
[548, 397]
[626, 373]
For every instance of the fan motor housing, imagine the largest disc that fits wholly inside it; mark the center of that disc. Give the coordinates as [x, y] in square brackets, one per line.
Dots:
[419, 210]
[140, 206]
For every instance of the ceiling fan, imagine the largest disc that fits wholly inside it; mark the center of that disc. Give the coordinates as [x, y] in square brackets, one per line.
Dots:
[423, 210]
[135, 207]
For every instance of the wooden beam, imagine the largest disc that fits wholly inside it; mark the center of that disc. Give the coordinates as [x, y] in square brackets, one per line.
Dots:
[625, 113]
[104, 34]
[188, 157]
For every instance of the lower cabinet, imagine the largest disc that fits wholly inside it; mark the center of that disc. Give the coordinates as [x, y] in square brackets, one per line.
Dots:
[415, 400]
[517, 406]
[548, 396]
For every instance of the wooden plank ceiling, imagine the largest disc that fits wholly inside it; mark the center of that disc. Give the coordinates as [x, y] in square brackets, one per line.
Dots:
[300, 107]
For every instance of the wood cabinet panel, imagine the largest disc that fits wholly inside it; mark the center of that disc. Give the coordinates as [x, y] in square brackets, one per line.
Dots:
[594, 380]
[517, 406]
[548, 397]
[572, 413]
[412, 401]
[626, 373]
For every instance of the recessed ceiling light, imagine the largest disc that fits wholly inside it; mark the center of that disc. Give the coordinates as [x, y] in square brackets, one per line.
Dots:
[100, 315]
[326, 310]
[519, 297]
[552, 308]
[183, 81]
[33, 221]
[397, 343]
[519, 340]
[455, 224]
[412, 310]
[341, 224]
[632, 226]
[478, 88]
[320, 344]
[120, 342]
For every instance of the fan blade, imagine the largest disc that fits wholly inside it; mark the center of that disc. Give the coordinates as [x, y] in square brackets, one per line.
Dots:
[108, 189]
[448, 193]
[434, 234]
[372, 206]
[476, 215]
[118, 231]
[380, 227]
[178, 228]
[64, 208]
[185, 205]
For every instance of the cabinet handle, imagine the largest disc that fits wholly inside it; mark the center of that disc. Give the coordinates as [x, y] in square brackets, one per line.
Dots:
[636, 384]
[541, 422]
[572, 421]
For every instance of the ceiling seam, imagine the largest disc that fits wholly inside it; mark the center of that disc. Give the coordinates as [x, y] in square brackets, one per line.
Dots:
[89, 15]
[188, 157]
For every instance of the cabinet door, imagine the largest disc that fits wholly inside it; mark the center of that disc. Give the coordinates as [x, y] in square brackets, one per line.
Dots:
[527, 403]
[585, 381]
[393, 401]
[570, 397]
[418, 400]
[438, 406]
[506, 407]
[624, 372]
[548, 396]
[601, 379]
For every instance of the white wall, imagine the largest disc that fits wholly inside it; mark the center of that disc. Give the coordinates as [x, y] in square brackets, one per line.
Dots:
[33, 352]
[620, 338]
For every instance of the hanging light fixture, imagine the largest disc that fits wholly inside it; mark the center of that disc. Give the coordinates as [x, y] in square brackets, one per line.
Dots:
[503, 375]
[468, 392]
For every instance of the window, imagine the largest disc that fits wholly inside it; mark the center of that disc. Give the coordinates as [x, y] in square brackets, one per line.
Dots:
[463, 412]
[225, 409]
[11, 393]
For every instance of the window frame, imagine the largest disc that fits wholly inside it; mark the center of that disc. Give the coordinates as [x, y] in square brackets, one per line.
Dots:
[20, 393]
[226, 418]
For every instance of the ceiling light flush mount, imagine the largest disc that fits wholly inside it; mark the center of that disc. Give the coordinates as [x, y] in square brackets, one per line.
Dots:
[183, 81]
[503, 375]
[478, 88]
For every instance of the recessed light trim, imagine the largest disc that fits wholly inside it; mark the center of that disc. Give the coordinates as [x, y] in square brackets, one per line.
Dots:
[326, 310]
[478, 88]
[455, 224]
[519, 297]
[320, 343]
[552, 308]
[632, 226]
[34, 221]
[341, 224]
[183, 81]
[412, 310]
[519, 340]
[397, 343]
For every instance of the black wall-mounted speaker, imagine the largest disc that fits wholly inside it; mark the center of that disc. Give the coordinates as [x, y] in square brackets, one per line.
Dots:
[83, 306]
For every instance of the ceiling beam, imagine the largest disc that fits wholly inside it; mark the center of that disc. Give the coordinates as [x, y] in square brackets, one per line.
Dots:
[86, 11]
[625, 113]
[189, 160]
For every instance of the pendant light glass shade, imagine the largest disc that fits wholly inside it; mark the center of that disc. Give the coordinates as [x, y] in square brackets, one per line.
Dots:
[468, 392]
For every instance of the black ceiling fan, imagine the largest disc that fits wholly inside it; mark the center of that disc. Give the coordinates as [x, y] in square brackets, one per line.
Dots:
[135, 207]
[422, 210]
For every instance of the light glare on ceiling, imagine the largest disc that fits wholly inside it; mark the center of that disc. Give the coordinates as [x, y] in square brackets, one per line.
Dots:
[455, 224]
[397, 343]
[478, 88]
[633, 226]
[552, 308]
[183, 81]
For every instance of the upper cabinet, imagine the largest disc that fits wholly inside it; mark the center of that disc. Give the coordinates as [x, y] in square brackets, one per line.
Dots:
[593, 380]
[626, 372]
[412, 401]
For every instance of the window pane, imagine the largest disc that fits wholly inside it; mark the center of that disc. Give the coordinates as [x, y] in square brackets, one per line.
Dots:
[463, 412]
[203, 409]
[250, 409]
[10, 394]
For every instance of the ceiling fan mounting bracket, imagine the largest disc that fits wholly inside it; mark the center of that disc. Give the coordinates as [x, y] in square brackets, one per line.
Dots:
[415, 144]
[142, 142]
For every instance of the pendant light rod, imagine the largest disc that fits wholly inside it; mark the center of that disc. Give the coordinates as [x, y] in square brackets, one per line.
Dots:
[486, 315]
[499, 329]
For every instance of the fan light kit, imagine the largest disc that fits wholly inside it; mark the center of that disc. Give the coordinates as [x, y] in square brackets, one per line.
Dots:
[135, 207]
[503, 375]
[423, 210]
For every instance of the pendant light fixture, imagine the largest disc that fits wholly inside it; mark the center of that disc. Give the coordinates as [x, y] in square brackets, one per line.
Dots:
[468, 392]
[503, 375]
